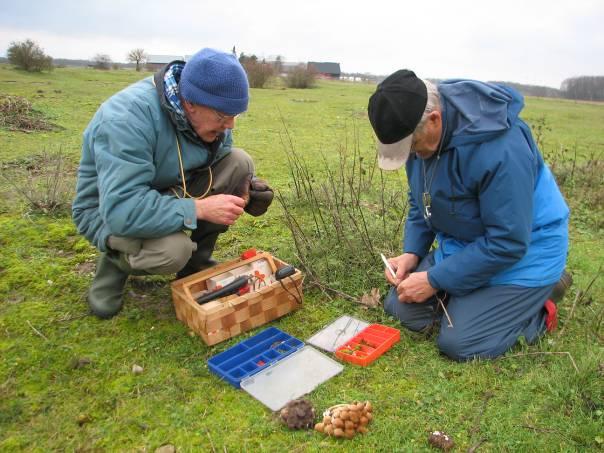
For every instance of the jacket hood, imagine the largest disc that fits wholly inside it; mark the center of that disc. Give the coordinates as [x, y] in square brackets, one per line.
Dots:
[475, 112]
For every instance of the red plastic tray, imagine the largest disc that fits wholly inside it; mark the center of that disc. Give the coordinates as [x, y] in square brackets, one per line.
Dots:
[368, 344]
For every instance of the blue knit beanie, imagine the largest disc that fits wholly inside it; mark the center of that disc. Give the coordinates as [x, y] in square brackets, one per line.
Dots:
[215, 79]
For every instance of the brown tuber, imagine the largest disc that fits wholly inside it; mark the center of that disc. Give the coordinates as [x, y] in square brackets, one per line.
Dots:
[345, 420]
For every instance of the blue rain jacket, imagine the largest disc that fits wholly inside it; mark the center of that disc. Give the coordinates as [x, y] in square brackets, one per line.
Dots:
[129, 161]
[497, 213]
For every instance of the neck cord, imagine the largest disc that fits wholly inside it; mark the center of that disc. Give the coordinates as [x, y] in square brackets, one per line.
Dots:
[426, 197]
[186, 194]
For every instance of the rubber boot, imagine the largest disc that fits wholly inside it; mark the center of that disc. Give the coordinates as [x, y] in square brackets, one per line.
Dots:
[557, 294]
[105, 296]
[205, 236]
[560, 288]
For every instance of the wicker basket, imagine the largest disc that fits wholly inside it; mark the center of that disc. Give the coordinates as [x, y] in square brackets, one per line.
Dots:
[224, 318]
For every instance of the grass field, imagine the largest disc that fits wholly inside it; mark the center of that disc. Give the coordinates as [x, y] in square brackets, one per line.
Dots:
[534, 399]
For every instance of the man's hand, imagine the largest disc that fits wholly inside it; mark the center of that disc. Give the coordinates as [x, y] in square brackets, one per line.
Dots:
[261, 197]
[415, 288]
[221, 209]
[402, 265]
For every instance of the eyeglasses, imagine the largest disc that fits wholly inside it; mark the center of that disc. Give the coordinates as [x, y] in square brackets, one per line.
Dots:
[222, 118]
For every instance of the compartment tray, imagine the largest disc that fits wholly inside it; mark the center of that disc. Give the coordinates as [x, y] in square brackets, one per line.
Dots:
[368, 345]
[250, 356]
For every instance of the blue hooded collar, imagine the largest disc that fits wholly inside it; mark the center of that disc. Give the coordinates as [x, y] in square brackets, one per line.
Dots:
[475, 112]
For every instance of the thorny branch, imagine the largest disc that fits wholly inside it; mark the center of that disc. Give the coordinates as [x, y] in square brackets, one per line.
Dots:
[475, 429]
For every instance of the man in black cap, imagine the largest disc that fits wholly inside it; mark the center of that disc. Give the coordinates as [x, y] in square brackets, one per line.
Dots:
[479, 187]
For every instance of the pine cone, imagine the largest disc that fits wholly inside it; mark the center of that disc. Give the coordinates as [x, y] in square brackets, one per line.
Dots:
[298, 414]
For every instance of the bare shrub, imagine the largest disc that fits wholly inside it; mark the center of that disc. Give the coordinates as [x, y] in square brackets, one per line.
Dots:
[29, 55]
[580, 178]
[44, 181]
[258, 73]
[17, 113]
[102, 61]
[341, 216]
[301, 77]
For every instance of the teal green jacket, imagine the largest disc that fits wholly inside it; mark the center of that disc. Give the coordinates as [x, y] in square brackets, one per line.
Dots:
[130, 161]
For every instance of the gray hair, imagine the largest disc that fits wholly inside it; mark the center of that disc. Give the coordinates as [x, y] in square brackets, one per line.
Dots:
[432, 104]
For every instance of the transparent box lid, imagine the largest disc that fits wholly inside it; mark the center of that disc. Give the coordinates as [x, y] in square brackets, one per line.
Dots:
[291, 377]
[337, 333]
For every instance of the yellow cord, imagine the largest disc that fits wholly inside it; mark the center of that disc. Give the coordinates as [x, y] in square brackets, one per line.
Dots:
[182, 171]
[186, 194]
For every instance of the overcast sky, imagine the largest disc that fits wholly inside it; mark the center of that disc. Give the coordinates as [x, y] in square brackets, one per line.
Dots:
[539, 42]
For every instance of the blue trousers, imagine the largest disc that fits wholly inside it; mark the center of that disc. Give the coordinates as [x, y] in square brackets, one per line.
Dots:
[486, 322]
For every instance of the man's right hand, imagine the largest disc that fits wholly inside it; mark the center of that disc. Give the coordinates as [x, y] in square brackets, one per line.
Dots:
[403, 265]
[221, 209]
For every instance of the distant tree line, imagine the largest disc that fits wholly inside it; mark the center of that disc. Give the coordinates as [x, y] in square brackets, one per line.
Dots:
[28, 55]
[534, 90]
[583, 88]
[587, 88]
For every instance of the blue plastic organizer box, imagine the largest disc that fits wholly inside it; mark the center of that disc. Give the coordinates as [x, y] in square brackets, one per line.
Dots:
[250, 356]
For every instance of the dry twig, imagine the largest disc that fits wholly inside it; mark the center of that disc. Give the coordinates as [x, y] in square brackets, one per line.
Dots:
[579, 298]
[37, 331]
[572, 311]
[475, 429]
[544, 353]
[334, 291]
[545, 430]
[211, 443]
[474, 447]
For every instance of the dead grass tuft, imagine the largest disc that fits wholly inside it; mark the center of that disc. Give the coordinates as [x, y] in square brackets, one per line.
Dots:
[17, 114]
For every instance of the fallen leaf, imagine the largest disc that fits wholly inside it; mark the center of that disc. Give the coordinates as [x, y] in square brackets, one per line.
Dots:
[80, 362]
[82, 419]
[371, 299]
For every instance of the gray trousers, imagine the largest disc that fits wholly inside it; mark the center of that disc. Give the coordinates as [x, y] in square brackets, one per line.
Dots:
[169, 254]
[486, 322]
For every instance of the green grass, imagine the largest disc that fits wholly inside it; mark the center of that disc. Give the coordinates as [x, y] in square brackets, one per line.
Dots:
[539, 402]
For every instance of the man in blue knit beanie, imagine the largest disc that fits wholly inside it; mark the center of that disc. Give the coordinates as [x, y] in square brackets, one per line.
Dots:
[159, 179]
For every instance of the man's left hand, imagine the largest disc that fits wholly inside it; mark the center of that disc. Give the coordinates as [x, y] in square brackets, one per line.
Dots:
[415, 288]
[261, 197]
